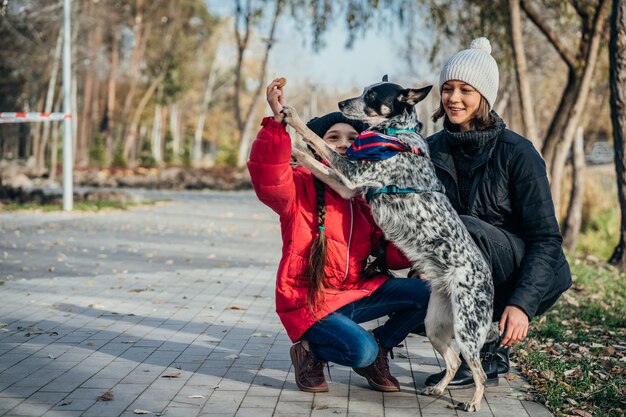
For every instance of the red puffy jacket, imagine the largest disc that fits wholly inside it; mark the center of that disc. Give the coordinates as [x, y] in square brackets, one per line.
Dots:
[351, 233]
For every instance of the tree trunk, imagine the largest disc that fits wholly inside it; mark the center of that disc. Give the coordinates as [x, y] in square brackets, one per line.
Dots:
[617, 77]
[521, 73]
[503, 103]
[245, 123]
[574, 62]
[111, 90]
[574, 120]
[33, 134]
[54, 151]
[129, 140]
[206, 100]
[82, 148]
[90, 93]
[175, 129]
[573, 219]
[49, 103]
[138, 51]
[157, 135]
[74, 85]
[555, 130]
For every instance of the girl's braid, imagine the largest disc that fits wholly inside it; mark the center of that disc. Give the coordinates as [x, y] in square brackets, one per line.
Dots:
[317, 259]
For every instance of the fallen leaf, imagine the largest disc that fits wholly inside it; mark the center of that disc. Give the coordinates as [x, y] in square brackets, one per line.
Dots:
[320, 407]
[237, 308]
[107, 396]
[609, 351]
[138, 411]
[582, 413]
[547, 374]
[171, 375]
[68, 402]
[196, 396]
[231, 357]
[512, 377]
[32, 330]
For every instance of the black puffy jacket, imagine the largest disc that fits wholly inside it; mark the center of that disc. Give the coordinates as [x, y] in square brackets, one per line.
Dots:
[510, 190]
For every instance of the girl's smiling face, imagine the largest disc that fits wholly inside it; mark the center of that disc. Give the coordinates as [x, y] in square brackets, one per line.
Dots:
[340, 136]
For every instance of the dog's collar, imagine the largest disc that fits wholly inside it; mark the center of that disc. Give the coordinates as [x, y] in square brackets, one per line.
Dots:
[393, 131]
[392, 189]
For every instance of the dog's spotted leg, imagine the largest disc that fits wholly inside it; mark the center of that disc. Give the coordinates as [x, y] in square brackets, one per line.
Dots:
[479, 380]
[453, 362]
[325, 174]
[293, 120]
[440, 330]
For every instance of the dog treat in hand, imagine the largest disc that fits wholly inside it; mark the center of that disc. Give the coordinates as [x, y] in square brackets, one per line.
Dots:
[281, 82]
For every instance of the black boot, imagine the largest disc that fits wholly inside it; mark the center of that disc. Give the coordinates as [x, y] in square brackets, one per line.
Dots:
[502, 359]
[463, 377]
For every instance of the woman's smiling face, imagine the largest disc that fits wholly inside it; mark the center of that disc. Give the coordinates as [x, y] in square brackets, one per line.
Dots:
[460, 102]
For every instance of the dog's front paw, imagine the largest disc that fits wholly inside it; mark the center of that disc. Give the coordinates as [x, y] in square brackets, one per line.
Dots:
[298, 154]
[431, 391]
[290, 113]
[469, 406]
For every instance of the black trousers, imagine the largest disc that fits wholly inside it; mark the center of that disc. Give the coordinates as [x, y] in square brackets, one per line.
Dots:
[504, 252]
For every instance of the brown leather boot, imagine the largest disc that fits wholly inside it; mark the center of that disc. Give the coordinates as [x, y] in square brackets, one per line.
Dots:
[377, 374]
[309, 371]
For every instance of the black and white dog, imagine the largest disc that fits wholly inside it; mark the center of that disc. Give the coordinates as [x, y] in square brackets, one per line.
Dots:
[409, 205]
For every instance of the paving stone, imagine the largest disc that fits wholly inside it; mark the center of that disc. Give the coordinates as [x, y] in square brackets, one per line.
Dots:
[8, 403]
[255, 412]
[231, 363]
[30, 409]
[57, 413]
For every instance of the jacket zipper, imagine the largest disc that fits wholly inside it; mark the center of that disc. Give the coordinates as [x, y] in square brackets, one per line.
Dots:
[349, 240]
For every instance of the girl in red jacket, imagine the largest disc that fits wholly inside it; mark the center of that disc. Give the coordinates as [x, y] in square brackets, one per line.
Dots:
[322, 292]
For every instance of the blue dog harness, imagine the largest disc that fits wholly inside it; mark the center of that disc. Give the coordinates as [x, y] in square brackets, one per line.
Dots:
[378, 146]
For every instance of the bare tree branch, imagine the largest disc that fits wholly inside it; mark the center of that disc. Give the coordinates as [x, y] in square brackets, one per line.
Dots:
[553, 38]
[580, 10]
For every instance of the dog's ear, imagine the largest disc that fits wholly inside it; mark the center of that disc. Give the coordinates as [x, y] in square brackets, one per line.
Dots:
[385, 78]
[413, 96]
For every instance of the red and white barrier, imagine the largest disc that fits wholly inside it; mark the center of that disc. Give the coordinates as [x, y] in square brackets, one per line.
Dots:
[11, 117]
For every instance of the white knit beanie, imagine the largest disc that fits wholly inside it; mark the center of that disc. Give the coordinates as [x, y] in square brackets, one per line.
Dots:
[476, 67]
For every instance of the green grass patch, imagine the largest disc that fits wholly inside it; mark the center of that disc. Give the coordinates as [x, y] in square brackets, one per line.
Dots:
[600, 235]
[79, 206]
[575, 355]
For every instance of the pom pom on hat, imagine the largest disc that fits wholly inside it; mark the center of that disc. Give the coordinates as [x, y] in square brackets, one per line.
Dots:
[481, 43]
[476, 67]
[320, 125]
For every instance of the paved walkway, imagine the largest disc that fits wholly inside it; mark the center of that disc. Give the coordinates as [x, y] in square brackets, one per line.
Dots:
[169, 311]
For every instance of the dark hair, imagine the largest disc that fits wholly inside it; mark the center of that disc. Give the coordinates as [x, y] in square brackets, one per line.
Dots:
[482, 120]
[317, 258]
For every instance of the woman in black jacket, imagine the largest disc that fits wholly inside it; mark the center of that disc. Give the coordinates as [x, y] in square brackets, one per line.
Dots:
[497, 182]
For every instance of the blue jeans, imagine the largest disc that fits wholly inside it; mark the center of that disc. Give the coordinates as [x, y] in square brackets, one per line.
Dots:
[338, 338]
